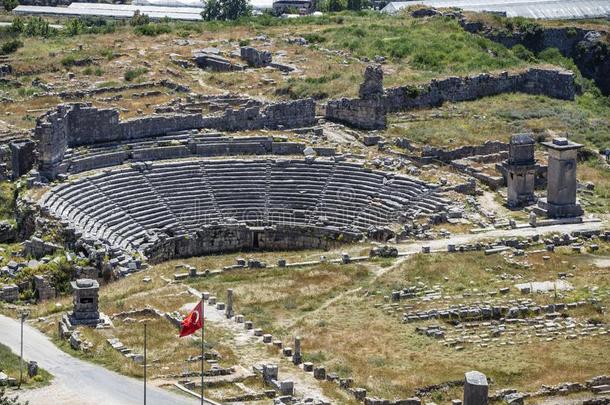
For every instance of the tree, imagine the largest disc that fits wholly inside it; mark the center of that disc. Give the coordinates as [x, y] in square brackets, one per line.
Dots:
[9, 5]
[139, 19]
[224, 10]
[335, 5]
[75, 26]
[354, 5]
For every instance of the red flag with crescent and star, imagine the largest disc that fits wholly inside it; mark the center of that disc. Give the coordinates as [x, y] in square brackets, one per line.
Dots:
[193, 322]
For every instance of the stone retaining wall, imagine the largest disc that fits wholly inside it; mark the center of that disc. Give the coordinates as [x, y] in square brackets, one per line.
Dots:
[549, 82]
[78, 124]
[368, 112]
[228, 238]
[358, 113]
[588, 48]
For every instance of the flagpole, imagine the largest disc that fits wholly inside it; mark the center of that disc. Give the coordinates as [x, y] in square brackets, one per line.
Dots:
[202, 338]
[144, 363]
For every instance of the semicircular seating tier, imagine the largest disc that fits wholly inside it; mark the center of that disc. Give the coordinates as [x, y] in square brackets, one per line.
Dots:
[132, 207]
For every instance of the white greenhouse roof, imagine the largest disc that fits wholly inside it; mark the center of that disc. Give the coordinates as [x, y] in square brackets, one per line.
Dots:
[112, 11]
[189, 10]
[542, 9]
[256, 4]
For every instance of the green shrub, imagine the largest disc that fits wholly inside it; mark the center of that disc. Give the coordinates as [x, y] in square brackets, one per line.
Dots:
[97, 71]
[523, 53]
[68, 61]
[226, 10]
[109, 53]
[554, 56]
[38, 27]
[74, 26]
[132, 74]
[354, 5]
[9, 5]
[10, 46]
[8, 195]
[332, 6]
[152, 29]
[139, 19]
[17, 26]
[314, 38]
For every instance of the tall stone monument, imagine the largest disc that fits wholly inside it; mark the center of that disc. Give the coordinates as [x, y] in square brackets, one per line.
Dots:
[521, 170]
[86, 308]
[86, 304]
[560, 201]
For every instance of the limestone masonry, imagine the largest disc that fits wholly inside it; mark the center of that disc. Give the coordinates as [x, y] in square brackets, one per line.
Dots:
[369, 110]
[72, 125]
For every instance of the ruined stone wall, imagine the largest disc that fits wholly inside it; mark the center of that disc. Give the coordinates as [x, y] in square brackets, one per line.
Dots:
[51, 134]
[588, 48]
[291, 114]
[78, 124]
[487, 148]
[88, 125]
[552, 83]
[358, 113]
[22, 157]
[233, 238]
[369, 112]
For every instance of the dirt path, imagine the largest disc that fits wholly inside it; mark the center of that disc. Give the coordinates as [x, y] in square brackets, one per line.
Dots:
[251, 351]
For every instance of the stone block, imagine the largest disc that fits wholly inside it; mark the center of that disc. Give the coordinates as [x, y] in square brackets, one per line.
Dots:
[476, 388]
[319, 373]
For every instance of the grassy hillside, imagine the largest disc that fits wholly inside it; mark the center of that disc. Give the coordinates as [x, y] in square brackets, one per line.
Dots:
[9, 365]
[7, 200]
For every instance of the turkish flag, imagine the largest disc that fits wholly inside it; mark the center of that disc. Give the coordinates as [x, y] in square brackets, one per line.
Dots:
[193, 322]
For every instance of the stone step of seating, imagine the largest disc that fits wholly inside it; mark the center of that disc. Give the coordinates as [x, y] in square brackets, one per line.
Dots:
[122, 205]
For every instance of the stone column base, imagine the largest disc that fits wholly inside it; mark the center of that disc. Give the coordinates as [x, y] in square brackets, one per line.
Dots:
[558, 211]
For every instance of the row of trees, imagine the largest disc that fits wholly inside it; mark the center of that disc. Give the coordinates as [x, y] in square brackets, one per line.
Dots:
[341, 5]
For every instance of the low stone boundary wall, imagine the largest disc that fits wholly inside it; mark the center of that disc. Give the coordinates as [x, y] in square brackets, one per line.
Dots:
[487, 148]
[227, 147]
[67, 95]
[95, 162]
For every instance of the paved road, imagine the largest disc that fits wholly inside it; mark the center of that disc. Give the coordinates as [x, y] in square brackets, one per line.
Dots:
[77, 381]
[458, 239]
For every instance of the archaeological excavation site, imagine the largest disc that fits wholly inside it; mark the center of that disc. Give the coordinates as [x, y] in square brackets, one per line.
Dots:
[230, 202]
